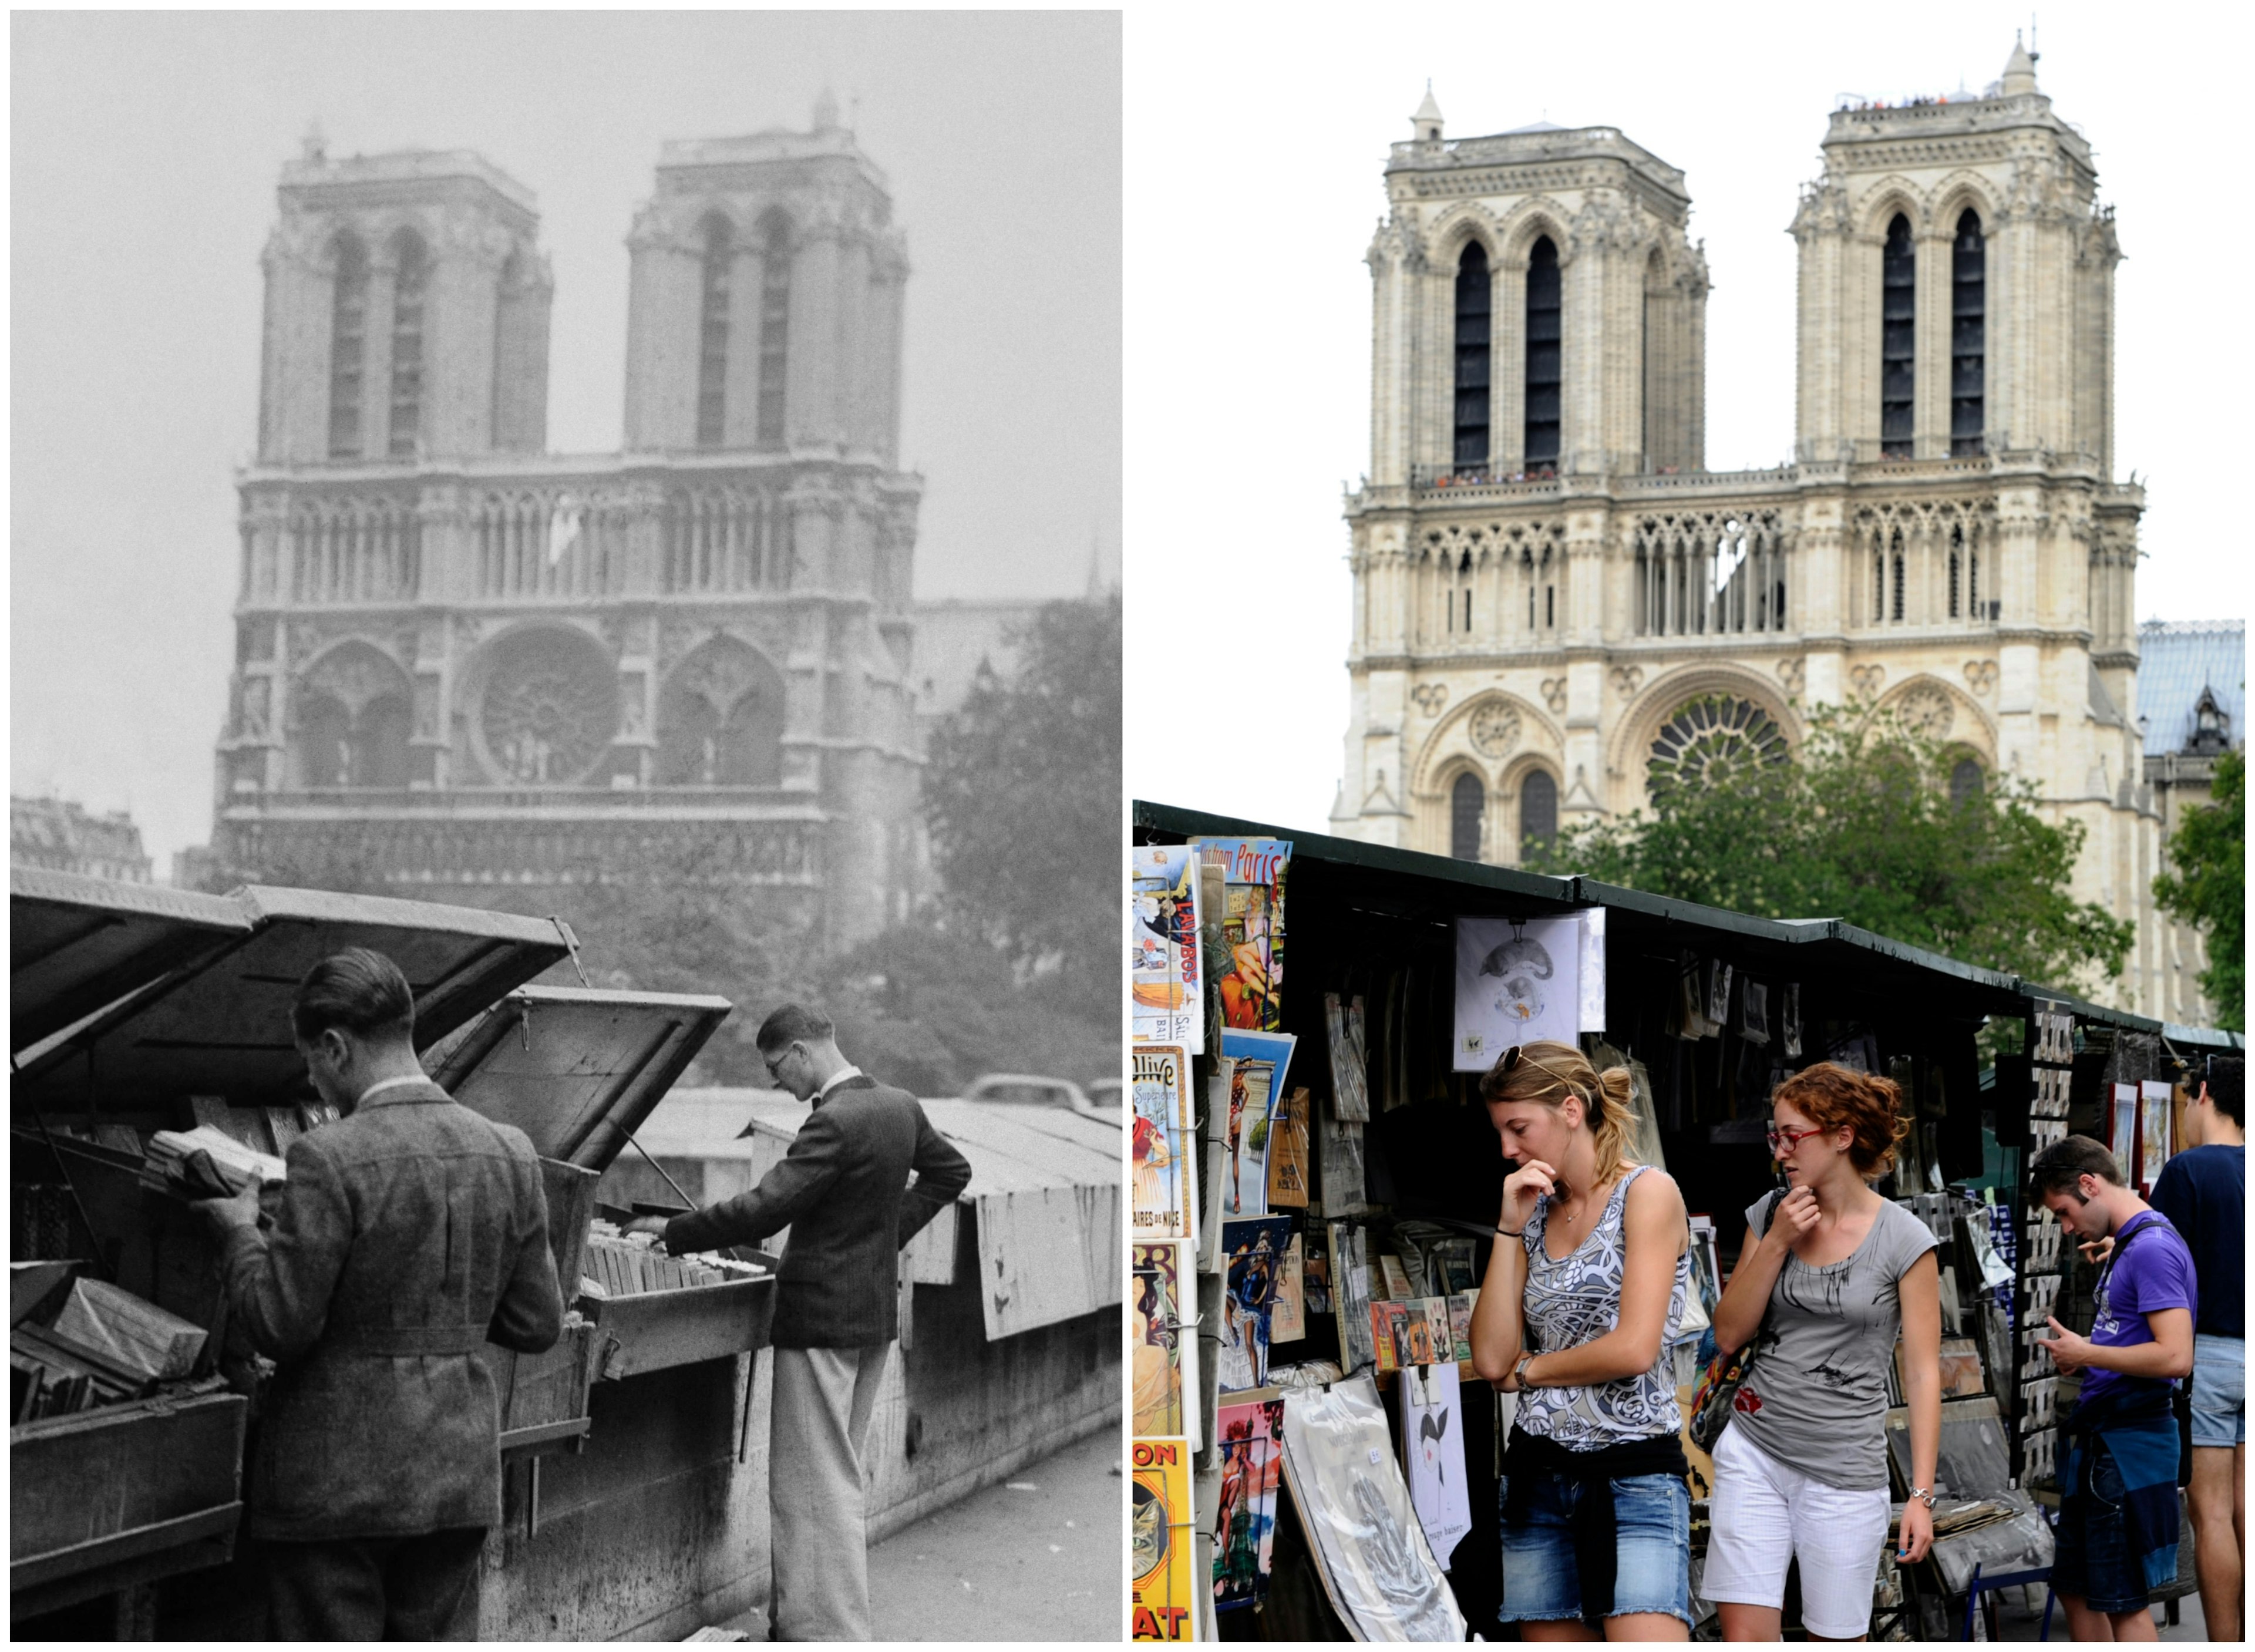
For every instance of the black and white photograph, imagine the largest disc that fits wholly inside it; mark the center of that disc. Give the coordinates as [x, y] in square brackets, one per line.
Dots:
[567, 595]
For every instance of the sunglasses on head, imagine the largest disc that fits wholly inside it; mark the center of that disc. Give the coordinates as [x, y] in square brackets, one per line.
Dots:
[1513, 1056]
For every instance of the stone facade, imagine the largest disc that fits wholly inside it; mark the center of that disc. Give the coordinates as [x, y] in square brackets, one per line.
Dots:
[463, 661]
[62, 837]
[1531, 630]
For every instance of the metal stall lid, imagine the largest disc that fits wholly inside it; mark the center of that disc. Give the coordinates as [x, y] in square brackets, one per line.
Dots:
[222, 1028]
[77, 945]
[577, 1069]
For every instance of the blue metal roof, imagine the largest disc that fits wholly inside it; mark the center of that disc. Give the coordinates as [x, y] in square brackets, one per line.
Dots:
[2176, 659]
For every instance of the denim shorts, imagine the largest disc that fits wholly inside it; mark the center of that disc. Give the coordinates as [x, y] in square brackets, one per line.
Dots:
[2219, 1391]
[1652, 1519]
[2091, 1554]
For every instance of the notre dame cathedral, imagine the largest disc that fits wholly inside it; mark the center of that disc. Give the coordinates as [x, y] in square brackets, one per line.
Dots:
[477, 662]
[1556, 604]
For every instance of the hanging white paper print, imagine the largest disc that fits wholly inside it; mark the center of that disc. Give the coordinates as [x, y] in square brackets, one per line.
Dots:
[1433, 1449]
[1517, 981]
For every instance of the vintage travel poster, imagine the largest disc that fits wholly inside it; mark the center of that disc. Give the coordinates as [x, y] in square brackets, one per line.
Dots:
[1162, 1575]
[1159, 1123]
[1256, 1090]
[1165, 1351]
[1253, 1249]
[1250, 1439]
[1165, 982]
[1350, 1058]
[1517, 982]
[1253, 928]
[1433, 1453]
[1287, 1153]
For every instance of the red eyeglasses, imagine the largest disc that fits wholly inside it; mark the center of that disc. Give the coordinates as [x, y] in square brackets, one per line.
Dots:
[1783, 1141]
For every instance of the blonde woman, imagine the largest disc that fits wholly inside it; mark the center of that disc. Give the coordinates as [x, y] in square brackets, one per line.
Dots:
[1574, 1318]
[1826, 1284]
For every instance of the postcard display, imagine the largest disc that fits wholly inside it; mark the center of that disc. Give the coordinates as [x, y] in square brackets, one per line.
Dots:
[2042, 1259]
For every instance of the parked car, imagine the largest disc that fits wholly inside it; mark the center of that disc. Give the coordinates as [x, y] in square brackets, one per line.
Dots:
[1020, 1089]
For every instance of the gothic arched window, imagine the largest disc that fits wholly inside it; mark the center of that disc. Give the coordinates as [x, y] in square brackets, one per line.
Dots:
[352, 723]
[1544, 333]
[1965, 780]
[1967, 305]
[1538, 810]
[774, 327]
[347, 348]
[1472, 336]
[1467, 805]
[413, 266]
[712, 338]
[720, 721]
[1898, 322]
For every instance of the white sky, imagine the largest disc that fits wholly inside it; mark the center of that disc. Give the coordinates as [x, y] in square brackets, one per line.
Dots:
[145, 152]
[1254, 157]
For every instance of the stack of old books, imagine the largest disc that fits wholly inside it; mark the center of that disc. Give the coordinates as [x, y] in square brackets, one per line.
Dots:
[105, 1346]
[616, 1265]
[166, 1165]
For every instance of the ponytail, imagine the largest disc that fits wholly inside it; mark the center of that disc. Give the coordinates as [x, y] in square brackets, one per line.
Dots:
[1548, 1071]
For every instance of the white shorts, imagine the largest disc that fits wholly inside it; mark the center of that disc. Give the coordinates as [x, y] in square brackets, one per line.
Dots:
[1765, 1515]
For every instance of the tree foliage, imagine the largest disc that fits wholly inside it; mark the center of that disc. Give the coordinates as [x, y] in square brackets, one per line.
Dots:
[2208, 887]
[1860, 825]
[1023, 796]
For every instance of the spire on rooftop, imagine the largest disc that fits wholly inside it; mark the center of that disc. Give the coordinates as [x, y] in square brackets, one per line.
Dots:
[1427, 120]
[2019, 69]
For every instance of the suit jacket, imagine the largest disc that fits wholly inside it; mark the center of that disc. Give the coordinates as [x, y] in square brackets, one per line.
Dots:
[408, 1235]
[843, 1191]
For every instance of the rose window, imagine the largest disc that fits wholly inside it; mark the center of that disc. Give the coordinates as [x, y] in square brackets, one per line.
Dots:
[551, 707]
[1709, 741]
[1495, 728]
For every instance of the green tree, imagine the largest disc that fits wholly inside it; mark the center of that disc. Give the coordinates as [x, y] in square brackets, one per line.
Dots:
[2209, 886]
[1860, 824]
[1022, 791]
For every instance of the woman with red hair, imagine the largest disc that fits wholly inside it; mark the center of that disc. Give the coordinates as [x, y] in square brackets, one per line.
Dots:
[1829, 1275]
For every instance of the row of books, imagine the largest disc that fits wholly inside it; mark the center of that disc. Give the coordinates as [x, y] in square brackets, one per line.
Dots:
[104, 1345]
[616, 1265]
[1423, 1331]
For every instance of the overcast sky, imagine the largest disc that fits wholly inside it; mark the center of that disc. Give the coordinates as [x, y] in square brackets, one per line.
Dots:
[145, 150]
[1255, 183]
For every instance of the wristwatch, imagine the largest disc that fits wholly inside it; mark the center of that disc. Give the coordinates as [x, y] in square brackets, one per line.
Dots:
[1519, 1371]
[1924, 1496]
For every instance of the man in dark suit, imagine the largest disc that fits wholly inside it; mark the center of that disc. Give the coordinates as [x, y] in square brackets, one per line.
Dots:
[844, 1191]
[410, 1232]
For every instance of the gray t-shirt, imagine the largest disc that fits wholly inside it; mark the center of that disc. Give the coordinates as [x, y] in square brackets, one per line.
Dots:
[1816, 1398]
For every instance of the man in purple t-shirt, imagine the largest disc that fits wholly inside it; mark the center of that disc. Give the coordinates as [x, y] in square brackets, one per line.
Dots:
[2117, 1517]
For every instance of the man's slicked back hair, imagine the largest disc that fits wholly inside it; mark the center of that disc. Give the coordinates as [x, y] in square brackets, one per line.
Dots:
[357, 989]
[793, 1023]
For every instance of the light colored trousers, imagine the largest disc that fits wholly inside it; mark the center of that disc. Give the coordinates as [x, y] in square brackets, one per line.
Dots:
[816, 1490]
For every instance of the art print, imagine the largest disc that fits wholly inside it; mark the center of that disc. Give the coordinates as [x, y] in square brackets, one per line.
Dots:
[1287, 1321]
[1288, 1152]
[1162, 1578]
[1163, 1352]
[1350, 1058]
[1351, 1296]
[1249, 1439]
[2153, 1133]
[1517, 981]
[1367, 1541]
[1252, 981]
[1159, 1127]
[1256, 1088]
[1254, 1252]
[2122, 1138]
[1433, 1451]
[1165, 985]
[1315, 1271]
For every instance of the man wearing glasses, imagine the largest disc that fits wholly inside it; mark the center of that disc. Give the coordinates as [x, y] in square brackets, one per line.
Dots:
[844, 1191]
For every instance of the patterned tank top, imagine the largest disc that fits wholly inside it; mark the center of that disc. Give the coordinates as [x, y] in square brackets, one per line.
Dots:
[1576, 1299]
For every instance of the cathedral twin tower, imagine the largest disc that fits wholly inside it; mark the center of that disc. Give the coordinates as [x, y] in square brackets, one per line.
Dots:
[503, 667]
[1558, 609]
